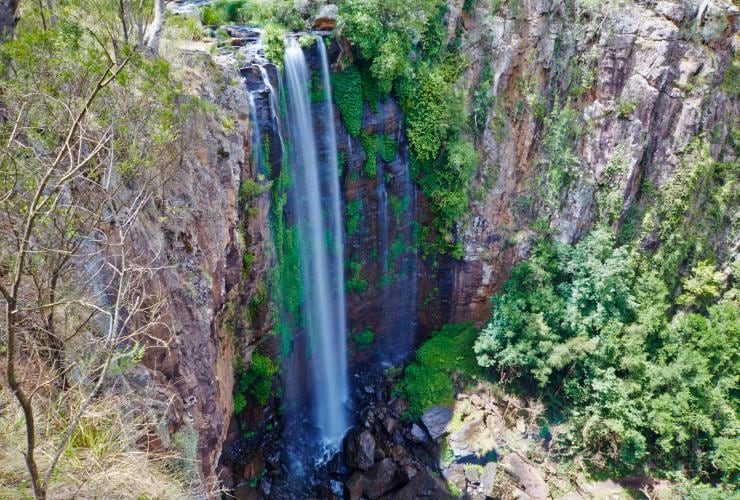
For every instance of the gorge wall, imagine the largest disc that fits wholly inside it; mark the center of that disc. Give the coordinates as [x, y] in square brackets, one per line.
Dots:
[641, 82]
[645, 79]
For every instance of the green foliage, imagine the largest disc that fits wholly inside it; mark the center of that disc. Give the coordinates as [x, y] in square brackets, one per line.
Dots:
[383, 35]
[610, 197]
[252, 12]
[388, 148]
[347, 94]
[482, 99]
[441, 361]
[355, 284]
[370, 145]
[690, 209]
[384, 31]
[286, 275]
[274, 39]
[591, 324]
[251, 188]
[256, 382]
[560, 134]
[364, 338]
[354, 215]
[626, 108]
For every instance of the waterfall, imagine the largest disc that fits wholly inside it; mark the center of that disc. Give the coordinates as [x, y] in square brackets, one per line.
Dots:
[319, 220]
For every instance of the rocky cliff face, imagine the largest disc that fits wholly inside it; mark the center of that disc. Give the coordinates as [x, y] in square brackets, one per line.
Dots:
[642, 80]
[198, 230]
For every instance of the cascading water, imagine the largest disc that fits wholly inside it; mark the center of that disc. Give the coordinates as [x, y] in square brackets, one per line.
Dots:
[319, 220]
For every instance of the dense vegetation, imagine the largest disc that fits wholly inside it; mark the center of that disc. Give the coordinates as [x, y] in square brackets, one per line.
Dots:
[643, 379]
[91, 121]
[441, 366]
[399, 47]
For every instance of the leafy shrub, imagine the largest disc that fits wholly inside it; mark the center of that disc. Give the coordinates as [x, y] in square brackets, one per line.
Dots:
[388, 148]
[347, 93]
[364, 338]
[370, 145]
[429, 380]
[356, 283]
[354, 215]
[255, 382]
[274, 40]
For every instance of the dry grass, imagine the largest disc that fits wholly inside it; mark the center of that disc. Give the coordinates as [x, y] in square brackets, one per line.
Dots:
[102, 459]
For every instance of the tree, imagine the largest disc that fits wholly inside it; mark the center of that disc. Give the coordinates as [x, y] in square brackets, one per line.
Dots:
[85, 148]
[154, 32]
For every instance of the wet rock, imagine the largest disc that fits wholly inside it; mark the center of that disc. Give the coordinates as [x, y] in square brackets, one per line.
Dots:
[418, 435]
[488, 479]
[326, 19]
[353, 486]
[526, 475]
[435, 420]
[381, 478]
[424, 485]
[359, 449]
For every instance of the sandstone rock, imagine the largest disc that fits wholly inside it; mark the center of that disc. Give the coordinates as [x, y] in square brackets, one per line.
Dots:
[354, 485]
[359, 449]
[424, 485]
[381, 478]
[526, 475]
[326, 19]
[435, 420]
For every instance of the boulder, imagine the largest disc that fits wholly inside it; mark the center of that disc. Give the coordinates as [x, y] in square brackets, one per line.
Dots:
[418, 435]
[424, 485]
[326, 19]
[455, 474]
[354, 485]
[488, 479]
[472, 474]
[526, 475]
[359, 449]
[381, 478]
[435, 420]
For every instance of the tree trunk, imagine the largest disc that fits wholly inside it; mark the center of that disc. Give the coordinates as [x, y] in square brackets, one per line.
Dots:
[8, 10]
[155, 29]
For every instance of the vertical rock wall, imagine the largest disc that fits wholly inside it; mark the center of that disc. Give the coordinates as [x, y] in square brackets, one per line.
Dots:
[645, 79]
